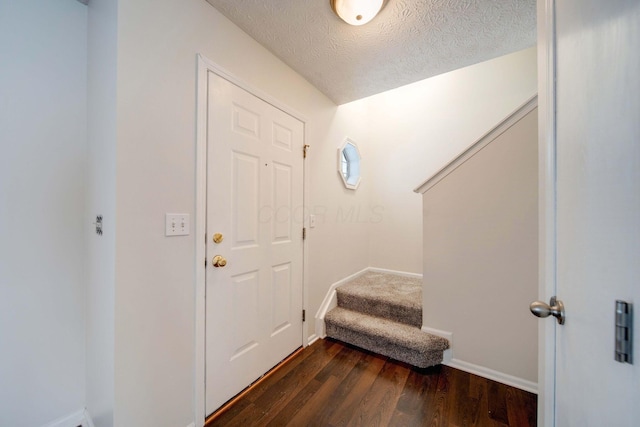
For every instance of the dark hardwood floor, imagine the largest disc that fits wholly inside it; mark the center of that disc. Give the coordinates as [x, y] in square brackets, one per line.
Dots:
[333, 384]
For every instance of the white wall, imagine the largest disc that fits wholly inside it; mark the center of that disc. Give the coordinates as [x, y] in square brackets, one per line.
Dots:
[156, 110]
[42, 172]
[140, 163]
[417, 129]
[338, 245]
[100, 200]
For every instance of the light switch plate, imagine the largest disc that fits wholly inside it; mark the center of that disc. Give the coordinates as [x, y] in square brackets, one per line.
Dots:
[176, 225]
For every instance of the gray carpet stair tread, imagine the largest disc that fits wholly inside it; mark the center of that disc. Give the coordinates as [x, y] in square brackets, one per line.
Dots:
[398, 298]
[382, 313]
[385, 331]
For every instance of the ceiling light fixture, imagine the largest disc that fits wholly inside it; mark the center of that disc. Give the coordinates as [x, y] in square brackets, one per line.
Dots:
[357, 12]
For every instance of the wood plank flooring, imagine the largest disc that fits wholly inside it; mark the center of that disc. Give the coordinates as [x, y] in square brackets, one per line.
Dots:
[333, 384]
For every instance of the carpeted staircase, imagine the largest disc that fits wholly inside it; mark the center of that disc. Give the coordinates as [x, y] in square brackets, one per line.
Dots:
[382, 312]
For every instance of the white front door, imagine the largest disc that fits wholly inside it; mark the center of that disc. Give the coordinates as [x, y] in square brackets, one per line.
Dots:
[598, 208]
[254, 223]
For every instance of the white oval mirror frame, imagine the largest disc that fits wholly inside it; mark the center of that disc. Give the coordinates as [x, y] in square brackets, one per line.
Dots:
[349, 164]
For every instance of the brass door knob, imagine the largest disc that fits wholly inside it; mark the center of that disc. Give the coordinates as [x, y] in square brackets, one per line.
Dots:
[218, 261]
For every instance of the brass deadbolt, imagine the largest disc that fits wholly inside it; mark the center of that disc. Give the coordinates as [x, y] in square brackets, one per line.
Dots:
[217, 238]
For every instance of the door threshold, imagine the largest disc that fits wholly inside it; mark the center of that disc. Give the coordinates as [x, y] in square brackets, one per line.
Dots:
[229, 403]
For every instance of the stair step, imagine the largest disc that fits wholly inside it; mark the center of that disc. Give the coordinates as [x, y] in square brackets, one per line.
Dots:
[393, 339]
[390, 296]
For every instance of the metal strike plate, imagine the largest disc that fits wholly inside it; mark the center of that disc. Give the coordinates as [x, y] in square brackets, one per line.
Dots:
[624, 332]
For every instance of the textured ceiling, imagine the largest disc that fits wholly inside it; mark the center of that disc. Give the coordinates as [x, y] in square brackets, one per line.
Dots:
[407, 42]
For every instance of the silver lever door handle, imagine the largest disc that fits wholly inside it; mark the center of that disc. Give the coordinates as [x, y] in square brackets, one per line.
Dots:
[555, 308]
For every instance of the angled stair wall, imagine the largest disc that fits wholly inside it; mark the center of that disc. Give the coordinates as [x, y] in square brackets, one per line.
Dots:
[480, 248]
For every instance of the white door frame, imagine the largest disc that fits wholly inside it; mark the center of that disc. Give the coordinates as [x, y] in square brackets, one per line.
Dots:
[204, 67]
[546, 207]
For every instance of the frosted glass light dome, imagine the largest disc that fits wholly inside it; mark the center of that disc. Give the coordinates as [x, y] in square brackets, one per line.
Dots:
[357, 12]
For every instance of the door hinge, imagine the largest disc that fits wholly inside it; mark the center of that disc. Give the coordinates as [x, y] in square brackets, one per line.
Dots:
[305, 148]
[624, 332]
[304, 315]
[304, 233]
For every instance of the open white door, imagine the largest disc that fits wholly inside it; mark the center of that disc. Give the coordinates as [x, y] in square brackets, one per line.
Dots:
[597, 209]
[254, 238]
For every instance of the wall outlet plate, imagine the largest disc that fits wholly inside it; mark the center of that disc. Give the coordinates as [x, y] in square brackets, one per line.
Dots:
[176, 225]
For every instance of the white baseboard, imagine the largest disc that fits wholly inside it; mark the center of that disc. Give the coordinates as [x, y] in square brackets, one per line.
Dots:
[78, 418]
[313, 338]
[482, 371]
[447, 355]
[330, 301]
[438, 333]
[88, 422]
[396, 272]
[500, 377]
